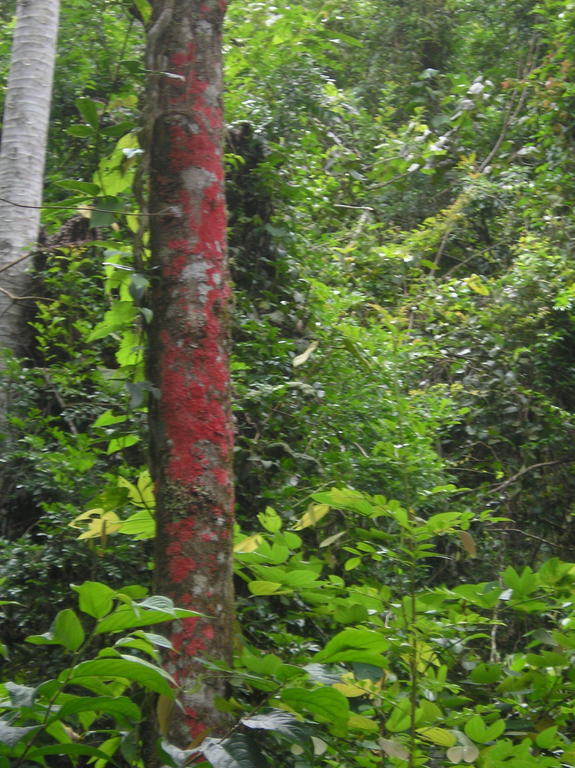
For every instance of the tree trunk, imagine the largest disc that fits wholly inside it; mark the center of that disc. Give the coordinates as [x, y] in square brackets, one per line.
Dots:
[22, 154]
[190, 416]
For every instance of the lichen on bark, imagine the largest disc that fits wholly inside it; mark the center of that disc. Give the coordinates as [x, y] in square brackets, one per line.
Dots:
[190, 420]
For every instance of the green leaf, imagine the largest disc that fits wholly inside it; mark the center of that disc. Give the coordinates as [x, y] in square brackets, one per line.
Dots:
[359, 722]
[478, 731]
[238, 751]
[346, 498]
[115, 706]
[360, 645]
[118, 130]
[326, 705]
[80, 186]
[400, 718]
[108, 418]
[143, 492]
[270, 520]
[300, 578]
[141, 525]
[440, 736]
[153, 610]
[277, 720]
[120, 443]
[261, 587]
[138, 286]
[547, 739]
[443, 522]
[486, 673]
[104, 212]
[120, 316]
[96, 599]
[89, 111]
[144, 8]
[66, 630]
[67, 749]
[81, 131]
[133, 669]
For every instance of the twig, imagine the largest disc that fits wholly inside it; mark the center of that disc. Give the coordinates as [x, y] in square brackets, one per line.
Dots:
[24, 298]
[89, 208]
[529, 536]
[511, 113]
[354, 207]
[16, 261]
[60, 402]
[523, 470]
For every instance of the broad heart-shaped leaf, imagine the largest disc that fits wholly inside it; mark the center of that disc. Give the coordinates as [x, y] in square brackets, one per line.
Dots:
[325, 705]
[132, 669]
[239, 751]
[279, 721]
[360, 645]
[117, 706]
[11, 735]
[477, 730]
[95, 599]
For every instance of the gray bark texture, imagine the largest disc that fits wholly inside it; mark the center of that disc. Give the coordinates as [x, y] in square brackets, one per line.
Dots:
[22, 155]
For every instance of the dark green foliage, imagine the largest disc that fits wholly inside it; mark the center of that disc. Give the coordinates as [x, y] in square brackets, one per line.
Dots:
[400, 194]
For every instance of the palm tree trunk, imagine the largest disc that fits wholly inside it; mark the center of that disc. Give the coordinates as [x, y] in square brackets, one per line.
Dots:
[22, 154]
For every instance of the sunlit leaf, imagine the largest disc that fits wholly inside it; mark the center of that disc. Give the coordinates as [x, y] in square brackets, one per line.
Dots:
[311, 516]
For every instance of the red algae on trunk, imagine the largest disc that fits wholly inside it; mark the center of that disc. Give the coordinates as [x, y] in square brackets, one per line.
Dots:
[190, 418]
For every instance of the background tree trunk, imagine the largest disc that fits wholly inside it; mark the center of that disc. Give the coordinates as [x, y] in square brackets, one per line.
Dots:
[22, 153]
[190, 419]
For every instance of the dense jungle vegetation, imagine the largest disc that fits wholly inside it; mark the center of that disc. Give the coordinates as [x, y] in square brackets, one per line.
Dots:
[400, 187]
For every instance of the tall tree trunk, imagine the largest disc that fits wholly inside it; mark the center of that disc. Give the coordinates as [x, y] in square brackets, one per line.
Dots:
[22, 153]
[190, 418]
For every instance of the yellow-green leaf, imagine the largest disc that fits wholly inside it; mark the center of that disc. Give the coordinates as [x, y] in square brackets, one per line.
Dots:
[100, 523]
[349, 690]
[311, 516]
[439, 736]
[260, 587]
[249, 544]
[474, 282]
[362, 723]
